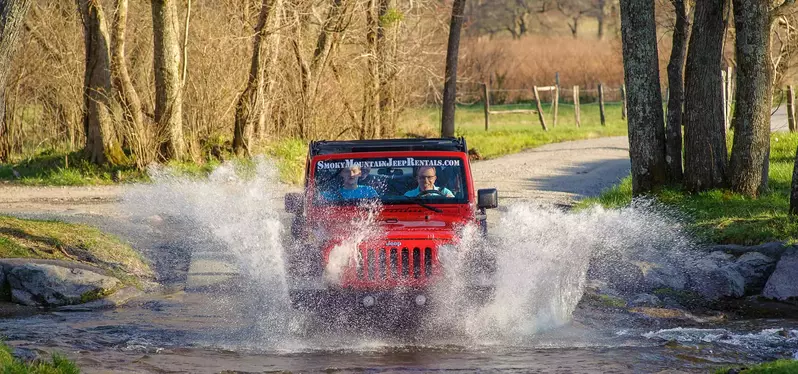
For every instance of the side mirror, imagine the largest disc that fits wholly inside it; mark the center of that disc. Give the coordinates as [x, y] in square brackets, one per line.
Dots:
[293, 202]
[487, 198]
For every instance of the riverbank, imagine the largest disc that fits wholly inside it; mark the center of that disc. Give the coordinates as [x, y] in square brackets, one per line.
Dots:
[56, 264]
[721, 216]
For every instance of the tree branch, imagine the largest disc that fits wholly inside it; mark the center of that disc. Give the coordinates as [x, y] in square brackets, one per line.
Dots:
[786, 8]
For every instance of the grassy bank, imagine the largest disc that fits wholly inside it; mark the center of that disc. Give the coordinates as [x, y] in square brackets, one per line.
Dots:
[508, 133]
[774, 367]
[24, 238]
[58, 365]
[725, 217]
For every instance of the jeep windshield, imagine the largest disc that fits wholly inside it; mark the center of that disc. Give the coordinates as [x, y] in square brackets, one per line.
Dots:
[392, 180]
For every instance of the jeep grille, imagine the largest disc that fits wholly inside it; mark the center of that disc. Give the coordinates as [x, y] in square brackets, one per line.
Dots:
[378, 264]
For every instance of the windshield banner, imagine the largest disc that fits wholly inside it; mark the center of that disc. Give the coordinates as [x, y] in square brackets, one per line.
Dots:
[385, 163]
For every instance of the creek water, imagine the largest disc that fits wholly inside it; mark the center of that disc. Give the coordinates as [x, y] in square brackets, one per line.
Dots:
[537, 321]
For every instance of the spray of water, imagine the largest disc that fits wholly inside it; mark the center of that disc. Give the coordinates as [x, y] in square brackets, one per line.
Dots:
[364, 228]
[542, 255]
[231, 214]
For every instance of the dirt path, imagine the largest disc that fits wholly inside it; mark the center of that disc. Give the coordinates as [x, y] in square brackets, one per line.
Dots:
[557, 173]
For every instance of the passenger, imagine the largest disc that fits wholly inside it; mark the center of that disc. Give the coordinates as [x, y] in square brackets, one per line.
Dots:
[377, 182]
[351, 189]
[426, 178]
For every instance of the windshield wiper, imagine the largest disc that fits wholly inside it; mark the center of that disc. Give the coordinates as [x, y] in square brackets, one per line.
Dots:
[425, 205]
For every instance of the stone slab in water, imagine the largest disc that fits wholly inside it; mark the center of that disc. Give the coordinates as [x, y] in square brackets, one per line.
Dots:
[52, 285]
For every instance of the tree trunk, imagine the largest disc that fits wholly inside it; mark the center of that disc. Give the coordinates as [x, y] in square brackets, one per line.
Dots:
[386, 46]
[248, 100]
[450, 83]
[751, 121]
[673, 131]
[268, 83]
[794, 193]
[641, 74]
[101, 145]
[168, 88]
[704, 133]
[128, 97]
[370, 127]
[310, 72]
[600, 18]
[12, 16]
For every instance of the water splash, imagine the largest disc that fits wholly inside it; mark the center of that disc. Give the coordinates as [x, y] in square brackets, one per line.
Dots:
[542, 254]
[231, 214]
[346, 252]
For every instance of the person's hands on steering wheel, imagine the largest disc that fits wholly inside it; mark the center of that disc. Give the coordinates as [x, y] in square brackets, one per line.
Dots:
[430, 192]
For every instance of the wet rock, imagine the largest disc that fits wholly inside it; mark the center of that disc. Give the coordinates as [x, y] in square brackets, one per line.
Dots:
[5, 290]
[783, 283]
[772, 249]
[26, 355]
[664, 276]
[619, 274]
[755, 268]
[714, 277]
[645, 299]
[52, 285]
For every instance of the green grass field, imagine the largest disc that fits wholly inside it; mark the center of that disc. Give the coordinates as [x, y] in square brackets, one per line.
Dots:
[511, 133]
[725, 217]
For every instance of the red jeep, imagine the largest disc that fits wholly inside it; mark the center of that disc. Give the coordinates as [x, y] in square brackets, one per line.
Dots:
[373, 218]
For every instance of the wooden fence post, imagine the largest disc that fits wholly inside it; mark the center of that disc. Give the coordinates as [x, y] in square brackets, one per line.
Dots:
[576, 105]
[791, 109]
[540, 109]
[623, 101]
[486, 99]
[725, 98]
[556, 101]
[729, 95]
[601, 104]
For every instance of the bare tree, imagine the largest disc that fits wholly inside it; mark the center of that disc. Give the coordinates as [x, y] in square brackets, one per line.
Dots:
[12, 16]
[135, 135]
[794, 191]
[249, 98]
[267, 85]
[673, 131]
[705, 151]
[751, 145]
[386, 53]
[101, 144]
[641, 73]
[168, 85]
[450, 84]
[326, 41]
[370, 123]
[575, 10]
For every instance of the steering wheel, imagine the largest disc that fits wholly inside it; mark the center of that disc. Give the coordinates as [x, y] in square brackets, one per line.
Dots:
[430, 192]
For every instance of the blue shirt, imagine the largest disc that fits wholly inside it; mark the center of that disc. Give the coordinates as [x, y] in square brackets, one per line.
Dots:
[444, 192]
[361, 192]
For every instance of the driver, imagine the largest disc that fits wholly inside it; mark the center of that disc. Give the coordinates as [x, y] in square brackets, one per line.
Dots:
[426, 184]
[351, 189]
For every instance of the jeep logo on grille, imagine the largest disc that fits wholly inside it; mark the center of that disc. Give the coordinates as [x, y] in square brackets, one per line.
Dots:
[394, 244]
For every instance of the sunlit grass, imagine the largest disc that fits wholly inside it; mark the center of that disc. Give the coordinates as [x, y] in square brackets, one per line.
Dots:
[726, 217]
